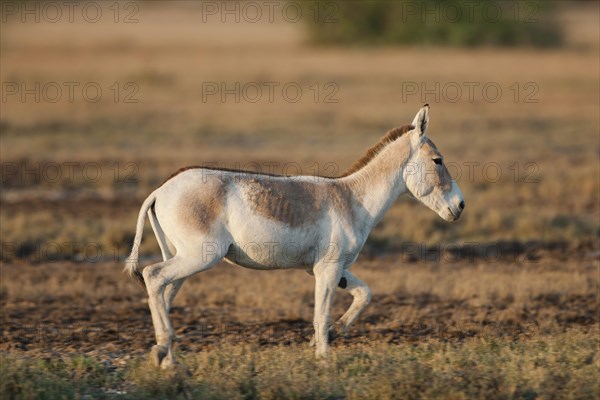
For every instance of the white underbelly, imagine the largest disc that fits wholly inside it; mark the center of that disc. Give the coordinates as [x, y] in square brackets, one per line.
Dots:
[261, 243]
[271, 255]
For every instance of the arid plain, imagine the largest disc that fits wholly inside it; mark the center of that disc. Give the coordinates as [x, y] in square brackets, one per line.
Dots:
[501, 304]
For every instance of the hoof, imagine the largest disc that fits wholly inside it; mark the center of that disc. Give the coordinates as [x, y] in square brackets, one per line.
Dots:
[172, 368]
[181, 370]
[169, 363]
[157, 354]
[332, 335]
[322, 356]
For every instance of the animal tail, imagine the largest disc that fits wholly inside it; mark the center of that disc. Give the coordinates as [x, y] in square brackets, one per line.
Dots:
[160, 234]
[131, 263]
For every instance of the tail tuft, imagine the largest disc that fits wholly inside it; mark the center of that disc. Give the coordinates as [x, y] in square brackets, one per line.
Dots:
[131, 269]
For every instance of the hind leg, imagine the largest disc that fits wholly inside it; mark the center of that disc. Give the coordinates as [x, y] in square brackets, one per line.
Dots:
[157, 277]
[172, 288]
[171, 291]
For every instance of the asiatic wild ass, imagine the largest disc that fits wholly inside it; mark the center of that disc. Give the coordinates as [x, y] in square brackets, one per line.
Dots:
[278, 222]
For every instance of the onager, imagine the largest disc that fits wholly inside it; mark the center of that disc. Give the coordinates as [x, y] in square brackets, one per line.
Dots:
[270, 222]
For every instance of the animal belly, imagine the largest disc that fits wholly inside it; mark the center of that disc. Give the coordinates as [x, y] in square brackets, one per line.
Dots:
[271, 255]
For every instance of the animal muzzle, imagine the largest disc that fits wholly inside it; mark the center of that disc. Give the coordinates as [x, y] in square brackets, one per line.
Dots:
[456, 210]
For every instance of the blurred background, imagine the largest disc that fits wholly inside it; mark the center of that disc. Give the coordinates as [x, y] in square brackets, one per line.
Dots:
[101, 102]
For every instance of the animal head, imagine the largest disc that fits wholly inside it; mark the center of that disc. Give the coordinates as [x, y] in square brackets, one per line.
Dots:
[426, 175]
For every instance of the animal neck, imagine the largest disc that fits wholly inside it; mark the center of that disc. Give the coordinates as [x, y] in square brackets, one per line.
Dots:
[380, 181]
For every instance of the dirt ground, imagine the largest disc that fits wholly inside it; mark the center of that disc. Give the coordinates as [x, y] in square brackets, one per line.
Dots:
[520, 267]
[58, 309]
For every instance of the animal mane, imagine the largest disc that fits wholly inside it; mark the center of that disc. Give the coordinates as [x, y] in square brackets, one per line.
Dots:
[388, 138]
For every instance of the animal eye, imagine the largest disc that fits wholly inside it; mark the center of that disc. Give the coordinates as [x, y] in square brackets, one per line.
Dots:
[438, 161]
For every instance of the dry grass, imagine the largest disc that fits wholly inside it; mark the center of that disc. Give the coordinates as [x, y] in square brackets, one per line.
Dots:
[433, 330]
[545, 292]
[562, 366]
[542, 310]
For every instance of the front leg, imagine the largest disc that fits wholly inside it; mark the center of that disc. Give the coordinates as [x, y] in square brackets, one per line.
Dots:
[327, 277]
[361, 297]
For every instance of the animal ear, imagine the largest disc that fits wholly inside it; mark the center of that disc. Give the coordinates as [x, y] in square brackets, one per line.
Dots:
[422, 120]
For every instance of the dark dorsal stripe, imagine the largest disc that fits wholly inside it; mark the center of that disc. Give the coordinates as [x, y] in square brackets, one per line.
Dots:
[239, 171]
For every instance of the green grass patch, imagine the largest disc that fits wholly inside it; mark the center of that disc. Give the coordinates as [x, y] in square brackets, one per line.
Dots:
[434, 22]
[562, 366]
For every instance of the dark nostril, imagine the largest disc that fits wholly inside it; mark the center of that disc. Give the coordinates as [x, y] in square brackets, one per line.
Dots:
[462, 205]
